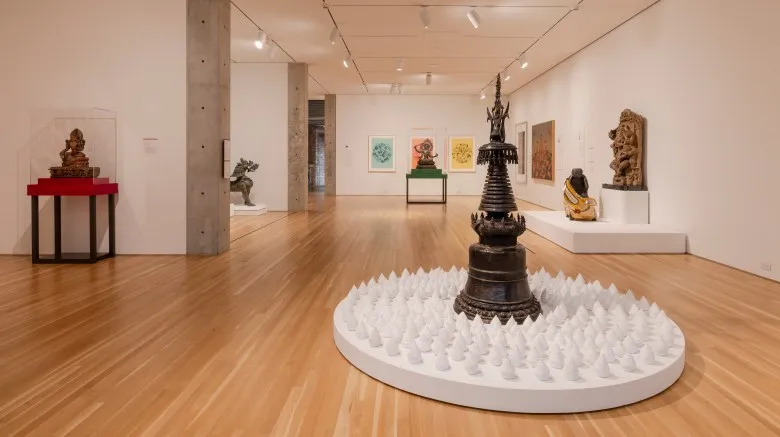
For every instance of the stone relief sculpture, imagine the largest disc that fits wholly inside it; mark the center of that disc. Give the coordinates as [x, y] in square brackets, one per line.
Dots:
[425, 149]
[627, 149]
[75, 163]
[576, 203]
[242, 183]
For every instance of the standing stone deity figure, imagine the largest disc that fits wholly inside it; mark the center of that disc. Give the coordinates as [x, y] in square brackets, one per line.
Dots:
[576, 203]
[74, 162]
[243, 184]
[627, 150]
[425, 149]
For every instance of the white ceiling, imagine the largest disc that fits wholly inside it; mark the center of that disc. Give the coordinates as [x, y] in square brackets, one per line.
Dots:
[461, 59]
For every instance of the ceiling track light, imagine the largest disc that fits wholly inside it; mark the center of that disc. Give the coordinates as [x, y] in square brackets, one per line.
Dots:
[428, 78]
[425, 17]
[261, 40]
[334, 35]
[482, 95]
[399, 65]
[272, 50]
[523, 61]
[474, 18]
[507, 77]
[347, 60]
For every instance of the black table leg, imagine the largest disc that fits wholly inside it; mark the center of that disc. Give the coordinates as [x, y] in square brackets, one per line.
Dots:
[407, 190]
[34, 231]
[57, 227]
[111, 223]
[93, 228]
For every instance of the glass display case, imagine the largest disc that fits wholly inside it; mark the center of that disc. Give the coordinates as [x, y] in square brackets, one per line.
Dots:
[76, 147]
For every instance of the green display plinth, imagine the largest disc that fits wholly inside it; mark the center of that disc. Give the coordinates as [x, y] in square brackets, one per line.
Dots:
[424, 173]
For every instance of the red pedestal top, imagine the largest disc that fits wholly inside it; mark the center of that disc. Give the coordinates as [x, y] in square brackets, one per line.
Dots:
[72, 187]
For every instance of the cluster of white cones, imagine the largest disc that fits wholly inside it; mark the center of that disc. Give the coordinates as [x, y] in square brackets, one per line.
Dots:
[585, 330]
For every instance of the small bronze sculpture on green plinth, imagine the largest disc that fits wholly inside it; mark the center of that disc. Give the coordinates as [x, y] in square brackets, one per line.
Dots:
[243, 184]
[75, 163]
[497, 284]
[425, 149]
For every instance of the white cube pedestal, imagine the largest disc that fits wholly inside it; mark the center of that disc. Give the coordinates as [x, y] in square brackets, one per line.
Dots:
[628, 207]
[258, 209]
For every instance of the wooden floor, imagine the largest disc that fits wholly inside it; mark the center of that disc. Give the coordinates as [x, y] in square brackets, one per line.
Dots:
[241, 344]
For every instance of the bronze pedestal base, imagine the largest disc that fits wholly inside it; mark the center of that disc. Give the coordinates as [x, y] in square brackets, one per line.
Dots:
[497, 285]
[74, 172]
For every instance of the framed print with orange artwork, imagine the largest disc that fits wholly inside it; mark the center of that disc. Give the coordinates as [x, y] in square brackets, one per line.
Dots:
[415, 143]
[543, 151]
[462, 155]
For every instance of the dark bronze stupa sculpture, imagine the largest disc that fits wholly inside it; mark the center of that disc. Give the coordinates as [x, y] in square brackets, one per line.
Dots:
[497, 282]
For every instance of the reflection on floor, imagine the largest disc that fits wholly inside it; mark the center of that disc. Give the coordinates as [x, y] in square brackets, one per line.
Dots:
[242, 343]
[241, 226]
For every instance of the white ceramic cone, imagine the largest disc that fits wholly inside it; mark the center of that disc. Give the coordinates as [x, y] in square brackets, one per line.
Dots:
[532, 357]
[611, 337]
[495, 357]
[516, 357]
[541, 324]
[608, 353]
[495, 322]
[578, 338]
[374, 339]
[627, 363]
[407, 341]
[619, 350]
[571, 370]
[542, 372]
[590, 331]
[591, 354]
[411, 329]
[472, 365]
[647, 355]
[477, 320]
[414, 356]
[457, 354]
[391, 347]
[437, 346]
[660, 348]
[640, 335]
[600, 339]
[643, 304]
[442, 361]
[630, 345]
[541, 345]
[352, 322]
[459, 343]
[474, 349]
[556, 359]
[423, 344]
[361, 331]
[602, 367]
[484, 343]
[520, 340]
[654, 310]
[510, 323]
[559, 339]
[507, 371]
[527, 322]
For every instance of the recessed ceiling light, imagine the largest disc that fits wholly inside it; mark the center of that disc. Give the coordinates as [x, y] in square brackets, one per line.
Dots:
[399, 65]
[474, 18]
[425, 17]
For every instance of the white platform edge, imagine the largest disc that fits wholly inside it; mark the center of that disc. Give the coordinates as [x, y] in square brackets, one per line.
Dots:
[258, 209]
[603, 237]
[516, 396]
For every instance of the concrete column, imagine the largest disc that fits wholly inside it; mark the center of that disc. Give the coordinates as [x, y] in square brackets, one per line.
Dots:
[208, 124]
[297, 134]
[330, 144]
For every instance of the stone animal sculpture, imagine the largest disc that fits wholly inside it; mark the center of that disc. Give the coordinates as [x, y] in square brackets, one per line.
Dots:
[242, 183]
[576, 203]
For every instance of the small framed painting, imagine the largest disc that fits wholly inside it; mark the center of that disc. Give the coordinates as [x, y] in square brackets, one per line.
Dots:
[416, 143]
[462, 155]
[522, 153]
[381, 154]
[543, 151]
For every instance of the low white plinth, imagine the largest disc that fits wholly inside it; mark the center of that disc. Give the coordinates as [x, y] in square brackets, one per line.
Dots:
[629, 207]
[603, 237]
[258, 209]
[574, 324]
[232, 210]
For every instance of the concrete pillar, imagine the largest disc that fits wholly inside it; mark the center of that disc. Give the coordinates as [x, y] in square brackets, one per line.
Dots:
[208, 124]
[297, 134]
[330, 144]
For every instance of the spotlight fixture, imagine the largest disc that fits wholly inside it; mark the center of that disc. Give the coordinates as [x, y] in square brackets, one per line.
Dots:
[428, 78]
[261, 39]
[334, 35]
[272, 50]
[425, 17]
[474, 18]
[523, 61]
[482, 95]
[399, 65]
[347, 60]
[507, 77]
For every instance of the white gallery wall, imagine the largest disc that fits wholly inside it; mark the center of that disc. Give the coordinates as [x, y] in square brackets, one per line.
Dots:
[704, 74]
[75, 58]
[258, 128]
[358, 117]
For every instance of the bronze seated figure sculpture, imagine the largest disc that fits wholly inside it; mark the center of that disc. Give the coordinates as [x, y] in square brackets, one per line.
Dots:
[242, 183]
[576, 203]
[426, 155]
[75, 163]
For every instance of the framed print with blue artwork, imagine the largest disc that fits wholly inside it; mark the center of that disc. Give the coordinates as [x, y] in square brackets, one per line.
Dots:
[381, 153]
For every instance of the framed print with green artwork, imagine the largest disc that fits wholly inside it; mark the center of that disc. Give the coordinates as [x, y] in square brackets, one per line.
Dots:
[381, 153]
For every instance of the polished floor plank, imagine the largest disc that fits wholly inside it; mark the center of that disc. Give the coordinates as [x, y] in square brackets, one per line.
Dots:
[241, 344]
[243, 225]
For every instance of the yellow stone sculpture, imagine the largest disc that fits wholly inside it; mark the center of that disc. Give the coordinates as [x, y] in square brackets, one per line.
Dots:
[576, 203]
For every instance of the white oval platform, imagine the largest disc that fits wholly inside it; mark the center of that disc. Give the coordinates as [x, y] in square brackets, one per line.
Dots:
[577, 315]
